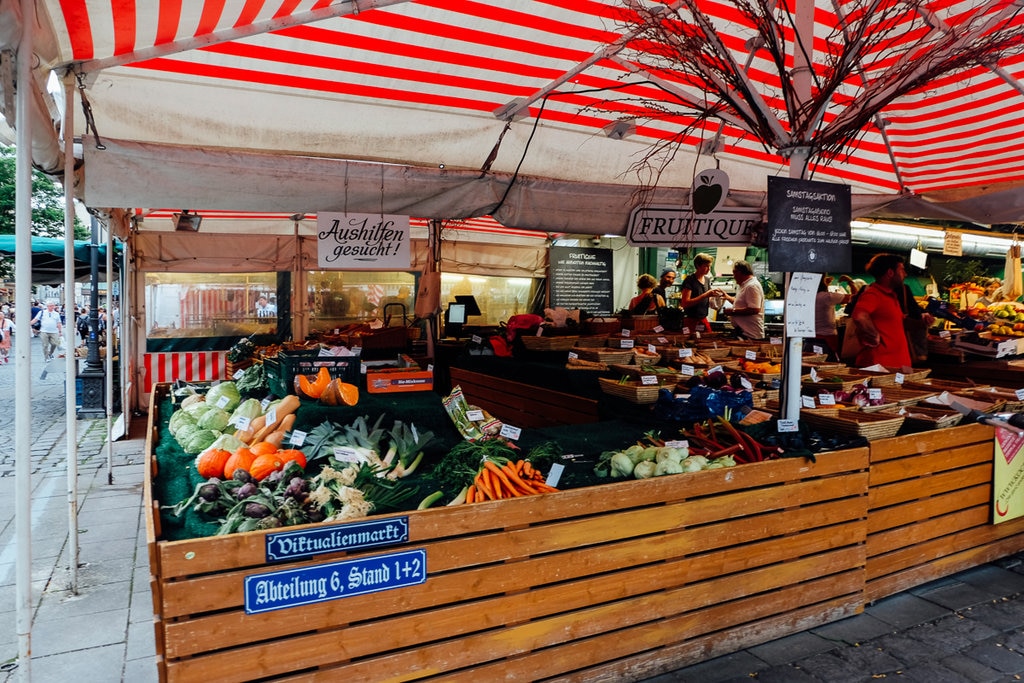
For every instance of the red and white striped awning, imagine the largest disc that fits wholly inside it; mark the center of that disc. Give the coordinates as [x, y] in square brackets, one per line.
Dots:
[400, 105]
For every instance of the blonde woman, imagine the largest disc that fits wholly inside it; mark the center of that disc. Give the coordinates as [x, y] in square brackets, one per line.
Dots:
[646, 301]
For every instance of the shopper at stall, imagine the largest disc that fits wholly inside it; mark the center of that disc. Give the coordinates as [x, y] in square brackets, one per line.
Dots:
[668, 278]
[747, 312]
[695, 294]
[6, 329]
[878, 315]
[646, 301]
[264, 309]
[825, 311]
[50, 328]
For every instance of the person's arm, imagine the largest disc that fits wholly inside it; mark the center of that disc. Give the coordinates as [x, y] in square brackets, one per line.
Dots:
[866, 330]
[849, 283]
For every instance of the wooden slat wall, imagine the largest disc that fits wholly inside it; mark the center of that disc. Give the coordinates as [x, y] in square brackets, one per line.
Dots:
[523, 405]
[626, 579]
[929, 509]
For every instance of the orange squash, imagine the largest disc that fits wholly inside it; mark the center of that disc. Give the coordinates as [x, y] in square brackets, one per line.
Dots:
[293, 454]
[313, 389]
[264, 465]
[211, 463]
[340, 393]
[241, 459]
[263, 447]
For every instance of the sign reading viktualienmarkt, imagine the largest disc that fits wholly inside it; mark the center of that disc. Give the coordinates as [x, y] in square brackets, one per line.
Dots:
[808, 226]
[705, 223]
[362, 241]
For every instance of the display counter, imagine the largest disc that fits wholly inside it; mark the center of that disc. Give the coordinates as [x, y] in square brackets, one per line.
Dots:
[620, 581]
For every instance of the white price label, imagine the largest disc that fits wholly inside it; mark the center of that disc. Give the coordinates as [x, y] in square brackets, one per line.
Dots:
[652, 348]
[223, 402]
[272, 416]
[476, 339]
[658, 329]
[745, 383]
[686, 330]
[817, 349]
[264, 403]
[1020, 394]
[337, 330]
[775, 340]
[510, 432]
[573, 355]
[298, 437]
[625, 332]
[648, 379]
[677, 443]
[685, 353]
[696, 334]
[750, 355]
[540, 331]
[474, 415]
[875, 394]
[900, 378]
[717, 368]
[788, 426]
[662, 340]
[347, 454]
[238, 374]
[827, 399]
[430, 367]
[626, 344]
[242, 422]
[944, 334]
[554, 474]
[807, 401]
[362, 368]
[814, 374]
[687, 370]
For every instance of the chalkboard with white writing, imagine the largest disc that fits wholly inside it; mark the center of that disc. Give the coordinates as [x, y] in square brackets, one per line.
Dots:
[581, 278]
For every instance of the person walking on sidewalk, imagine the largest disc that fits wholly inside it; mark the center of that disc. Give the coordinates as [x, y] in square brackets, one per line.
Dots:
[6, 329]
[50, 329]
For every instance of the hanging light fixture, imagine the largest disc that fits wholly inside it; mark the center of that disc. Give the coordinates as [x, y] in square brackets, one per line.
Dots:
[186, 221]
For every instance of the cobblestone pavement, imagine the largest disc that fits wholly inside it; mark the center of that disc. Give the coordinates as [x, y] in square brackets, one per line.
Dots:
[103, 629]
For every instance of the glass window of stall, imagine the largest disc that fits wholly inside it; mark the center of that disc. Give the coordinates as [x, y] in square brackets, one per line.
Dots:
[498, 298]
[337, 299]
[211, 311]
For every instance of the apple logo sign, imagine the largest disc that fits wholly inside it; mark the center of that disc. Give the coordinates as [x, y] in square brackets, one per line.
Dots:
[711, 188]
[812, 256]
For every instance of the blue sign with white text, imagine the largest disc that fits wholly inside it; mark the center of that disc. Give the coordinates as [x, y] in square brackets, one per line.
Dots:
[344, 579]
[290, 545]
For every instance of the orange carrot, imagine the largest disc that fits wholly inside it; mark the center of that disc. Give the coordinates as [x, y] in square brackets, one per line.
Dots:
[499, 476]
[471, 494]
[517, 482]
[483, 487]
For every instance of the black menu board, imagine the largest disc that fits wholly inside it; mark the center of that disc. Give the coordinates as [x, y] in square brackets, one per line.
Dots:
[581, 278]
[808, 226]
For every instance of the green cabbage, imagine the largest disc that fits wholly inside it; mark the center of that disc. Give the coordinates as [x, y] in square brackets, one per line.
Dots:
[196, 410]
[214, 419]
[215, 394]
[199, 440]
[178, 420]
[184, 432]
[249, 408]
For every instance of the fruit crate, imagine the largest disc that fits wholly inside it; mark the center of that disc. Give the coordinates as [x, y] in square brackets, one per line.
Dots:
[282, 370]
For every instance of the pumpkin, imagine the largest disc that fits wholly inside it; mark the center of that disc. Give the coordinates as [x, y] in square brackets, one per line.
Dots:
[241, 459]
[340, 393]
[264, 465]
[210, 463]
[293, 454]
[313, 389]
[263, 447]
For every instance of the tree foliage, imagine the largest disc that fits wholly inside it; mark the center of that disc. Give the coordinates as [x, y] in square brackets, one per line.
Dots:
[47, 202]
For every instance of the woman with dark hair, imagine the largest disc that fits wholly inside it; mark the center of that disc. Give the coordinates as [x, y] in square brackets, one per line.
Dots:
[646, 301]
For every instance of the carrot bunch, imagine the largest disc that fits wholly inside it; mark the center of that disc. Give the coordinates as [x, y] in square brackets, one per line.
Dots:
[510, 479]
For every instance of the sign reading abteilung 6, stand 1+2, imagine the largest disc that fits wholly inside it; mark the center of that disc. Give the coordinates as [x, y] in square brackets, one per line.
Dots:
[705, 223]
[334, 580]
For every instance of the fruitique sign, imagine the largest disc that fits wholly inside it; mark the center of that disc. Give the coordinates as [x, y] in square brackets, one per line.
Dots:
[705, 223]
[1008, 476]
[362, 241]
[332, 538]
[310, 585]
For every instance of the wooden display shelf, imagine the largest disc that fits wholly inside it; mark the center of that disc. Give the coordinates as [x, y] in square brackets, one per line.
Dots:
[523, 405]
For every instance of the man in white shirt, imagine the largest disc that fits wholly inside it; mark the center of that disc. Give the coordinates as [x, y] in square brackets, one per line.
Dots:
[747, 314]
[264, 309]
[50, 328]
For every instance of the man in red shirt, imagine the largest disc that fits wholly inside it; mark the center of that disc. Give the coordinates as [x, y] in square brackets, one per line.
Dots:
[879, 316]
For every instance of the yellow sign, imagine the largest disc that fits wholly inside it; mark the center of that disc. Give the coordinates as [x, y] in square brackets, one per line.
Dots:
[1008, 477]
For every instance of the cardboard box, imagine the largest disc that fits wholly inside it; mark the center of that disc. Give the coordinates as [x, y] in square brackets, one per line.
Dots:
[408, 376]
[984, 345]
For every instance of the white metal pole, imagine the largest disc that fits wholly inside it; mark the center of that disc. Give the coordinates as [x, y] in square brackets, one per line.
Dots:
[70, 361]
[23, 344]
[110, 355]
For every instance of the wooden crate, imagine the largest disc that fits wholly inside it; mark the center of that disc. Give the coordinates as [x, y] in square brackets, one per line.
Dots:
[929, 509]
[523, 405]
[624, 583]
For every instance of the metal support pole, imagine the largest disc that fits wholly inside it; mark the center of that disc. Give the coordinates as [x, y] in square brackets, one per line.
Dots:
[70, 361]
[93, 375]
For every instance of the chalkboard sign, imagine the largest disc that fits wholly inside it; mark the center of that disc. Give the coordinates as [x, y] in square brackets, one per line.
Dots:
[808, 226]
[581, 278]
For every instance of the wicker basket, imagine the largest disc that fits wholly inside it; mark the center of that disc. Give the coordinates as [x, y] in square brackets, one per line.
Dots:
[593, 342]
[609, 356]
[765, 397]
[559, 343]
[927, 418]
[830, 383]
[634, 392]
[1011, 403]
[906, 397]
[857, 423]
[712, 352]
[636, 371]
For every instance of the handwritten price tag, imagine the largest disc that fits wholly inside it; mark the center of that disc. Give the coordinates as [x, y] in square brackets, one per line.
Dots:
[717, 368]
[626, 333]
[347, 454]
[900, 378]
[652, 348]
[827, 399]
[223, 402]
[476, 339]
[658, 329]
[788, 426]
[677, 443]
[686, 370]
[750, 355]
[626, 344]
[745, 383]
[662, 340]
[510, 432]
[1020, 394]
[775, 340]
[238, 374]
[807, 401]
[554, 474]
[875, 394]
[818, 349]
[648, 379]
[272, 416]
[474, 415]
[264, 403]
[814, 375]
[242, 423]
[685, 353]
[298, 437]
[573, 355]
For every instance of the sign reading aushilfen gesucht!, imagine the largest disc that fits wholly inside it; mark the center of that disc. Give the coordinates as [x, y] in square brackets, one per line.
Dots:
[705, 223]
[362, 241]
[333, 538]
[333, 580]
